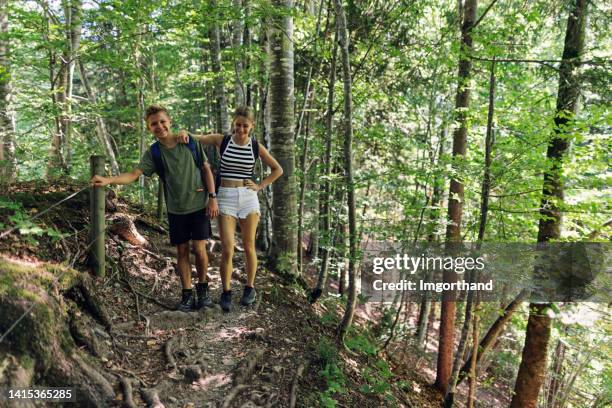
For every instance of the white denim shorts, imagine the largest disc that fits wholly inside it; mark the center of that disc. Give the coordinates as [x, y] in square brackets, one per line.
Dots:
[238, 202]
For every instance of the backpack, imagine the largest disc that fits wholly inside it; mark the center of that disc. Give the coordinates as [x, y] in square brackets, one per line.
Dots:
[159, 165]
[224, 143]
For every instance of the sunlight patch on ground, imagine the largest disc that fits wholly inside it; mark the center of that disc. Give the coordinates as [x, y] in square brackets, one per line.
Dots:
[231, 333]
[211, 381]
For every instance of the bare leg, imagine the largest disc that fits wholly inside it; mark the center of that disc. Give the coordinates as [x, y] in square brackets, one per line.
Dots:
[248, 226]
[182, 263]
[201, 260]
[227, 227]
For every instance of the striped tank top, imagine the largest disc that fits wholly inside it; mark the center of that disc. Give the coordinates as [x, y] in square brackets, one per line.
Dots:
[237, 162]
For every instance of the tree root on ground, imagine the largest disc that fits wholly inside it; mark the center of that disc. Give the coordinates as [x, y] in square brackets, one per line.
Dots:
[247, 367]
[126, 385]
[296, 380]
[151, 397]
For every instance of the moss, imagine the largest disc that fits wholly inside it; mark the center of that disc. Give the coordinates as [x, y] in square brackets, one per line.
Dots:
[27, 293]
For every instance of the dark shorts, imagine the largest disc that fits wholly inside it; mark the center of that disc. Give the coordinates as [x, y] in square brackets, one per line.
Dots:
[185, 227]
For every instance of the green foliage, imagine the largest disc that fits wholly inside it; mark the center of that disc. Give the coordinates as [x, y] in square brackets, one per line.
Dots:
[22, 222]
[331, 373]
[361, 343]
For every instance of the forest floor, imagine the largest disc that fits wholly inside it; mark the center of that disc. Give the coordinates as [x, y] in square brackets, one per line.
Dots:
[278, 352]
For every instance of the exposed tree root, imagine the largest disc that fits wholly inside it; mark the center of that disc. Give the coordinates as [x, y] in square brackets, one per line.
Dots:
[296, 380]
[233, 394]
[247, 368]
[151, 397]
[126, 385]
[169, 352]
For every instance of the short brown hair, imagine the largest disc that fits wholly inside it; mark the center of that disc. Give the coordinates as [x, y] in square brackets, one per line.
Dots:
[153, 109]
[245, 112]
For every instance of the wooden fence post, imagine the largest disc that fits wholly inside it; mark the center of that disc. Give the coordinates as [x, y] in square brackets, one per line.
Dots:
[97, 254]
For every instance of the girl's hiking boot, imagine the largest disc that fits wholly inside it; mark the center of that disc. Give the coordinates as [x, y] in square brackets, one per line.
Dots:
[187, 301]
[203, 299]
[248, 296]
[226, 301]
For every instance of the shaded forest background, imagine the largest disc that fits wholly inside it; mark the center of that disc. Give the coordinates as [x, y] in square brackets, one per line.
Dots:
[398, 121]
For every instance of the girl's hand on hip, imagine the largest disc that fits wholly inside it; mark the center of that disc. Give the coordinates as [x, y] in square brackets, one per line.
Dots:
[252, 185]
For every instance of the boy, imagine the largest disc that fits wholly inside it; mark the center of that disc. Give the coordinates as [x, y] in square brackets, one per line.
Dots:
[185, 198]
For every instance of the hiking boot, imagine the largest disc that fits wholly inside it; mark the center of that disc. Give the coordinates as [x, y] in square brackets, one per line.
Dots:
[226, 301]
[203, 299]
[248, 296]
[187, 301]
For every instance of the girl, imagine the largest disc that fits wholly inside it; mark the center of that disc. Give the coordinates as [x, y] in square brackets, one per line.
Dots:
[237, 197]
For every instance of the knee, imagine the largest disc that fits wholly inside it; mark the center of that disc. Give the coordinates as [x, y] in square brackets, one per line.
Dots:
[200, 251]
[249, 248]
[182, 251]
[227, 250]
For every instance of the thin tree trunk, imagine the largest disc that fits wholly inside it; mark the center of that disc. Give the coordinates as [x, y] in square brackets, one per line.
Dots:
[492, 334]
[237, 34]
[56, 162]
[533, 363]
[327, 165]
[283, 254]
[434, 217]
[101, 130]
[223, 122]
[463, 340]
[556, 375]
[72, 12]
[302, 193]
[8, 164]
[353, 270]
[473, 373]
[455, 199]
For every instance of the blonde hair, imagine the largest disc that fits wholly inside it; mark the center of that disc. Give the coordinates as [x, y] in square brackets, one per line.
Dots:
[245, 112]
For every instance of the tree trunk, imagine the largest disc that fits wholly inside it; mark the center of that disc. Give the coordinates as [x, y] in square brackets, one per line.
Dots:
[475, 275]
[72, 13]
[556, 376]
[533, 363]
[223, 122]
[104, 137]
[237, 34]
[473, 373]
[56, 162]
[455, 199]
[283, 254]
[353, 270]
[434, 217]
[326, 229]
[302, 195]
[8, 164]
[492, 334]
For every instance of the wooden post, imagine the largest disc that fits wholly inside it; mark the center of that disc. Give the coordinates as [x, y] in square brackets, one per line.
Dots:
[97, 232]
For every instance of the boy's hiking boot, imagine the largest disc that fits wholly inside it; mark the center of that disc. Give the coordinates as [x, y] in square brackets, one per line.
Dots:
[226, 301]
[203, 299]
[248, 296]
[187, 301]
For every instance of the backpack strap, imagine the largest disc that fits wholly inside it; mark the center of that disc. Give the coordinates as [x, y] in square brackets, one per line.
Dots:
[224, 143]
[222, 148]
[255, 146]
[159, 165]
[192, 144]
[157, 161]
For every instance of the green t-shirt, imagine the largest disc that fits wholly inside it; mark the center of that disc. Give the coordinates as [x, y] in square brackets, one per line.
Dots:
[183, 178]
